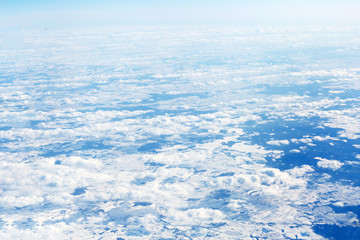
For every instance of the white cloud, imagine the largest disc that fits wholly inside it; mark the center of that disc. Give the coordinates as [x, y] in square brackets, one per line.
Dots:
[330, 164]
[278, 142]
[70, 132]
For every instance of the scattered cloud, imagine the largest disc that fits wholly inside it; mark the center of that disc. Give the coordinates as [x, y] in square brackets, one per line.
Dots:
[164, 132]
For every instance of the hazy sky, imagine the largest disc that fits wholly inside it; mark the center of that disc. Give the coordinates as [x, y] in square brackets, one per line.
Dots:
[69, 12]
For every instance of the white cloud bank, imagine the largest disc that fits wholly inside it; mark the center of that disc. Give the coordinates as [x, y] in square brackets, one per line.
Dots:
[148, 133]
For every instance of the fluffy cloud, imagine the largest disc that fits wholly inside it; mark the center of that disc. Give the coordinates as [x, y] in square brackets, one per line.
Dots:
[331, 164]
[152, 133]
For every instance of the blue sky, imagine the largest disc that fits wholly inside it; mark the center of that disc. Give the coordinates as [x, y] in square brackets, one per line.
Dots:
[67, 12]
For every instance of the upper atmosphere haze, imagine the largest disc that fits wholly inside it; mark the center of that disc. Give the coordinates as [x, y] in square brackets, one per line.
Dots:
[41, 13]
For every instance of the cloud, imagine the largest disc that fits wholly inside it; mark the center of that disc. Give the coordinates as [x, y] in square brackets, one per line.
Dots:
[168, 132]
[278, 142]
[330, 164]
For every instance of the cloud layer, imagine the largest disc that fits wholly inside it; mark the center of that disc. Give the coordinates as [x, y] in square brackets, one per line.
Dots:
[184, 132]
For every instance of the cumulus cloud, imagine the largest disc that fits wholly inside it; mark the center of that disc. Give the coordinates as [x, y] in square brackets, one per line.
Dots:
[330, 164]
[278, 142]
[147, 133]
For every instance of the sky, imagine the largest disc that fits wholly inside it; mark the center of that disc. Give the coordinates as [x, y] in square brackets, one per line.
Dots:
[42, 13]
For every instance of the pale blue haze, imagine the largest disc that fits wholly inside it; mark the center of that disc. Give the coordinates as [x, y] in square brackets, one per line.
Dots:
[95, 12]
